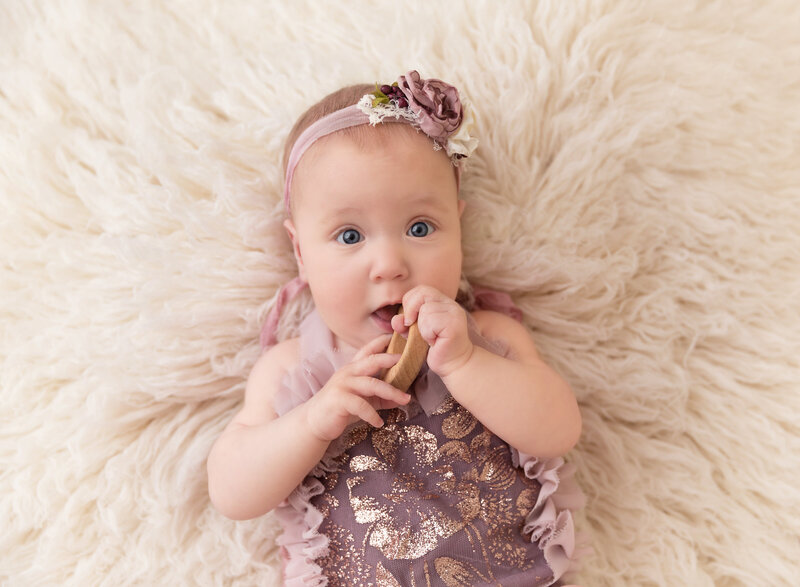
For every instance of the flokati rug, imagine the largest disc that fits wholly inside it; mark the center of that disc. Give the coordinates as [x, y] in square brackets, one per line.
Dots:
[637, 191]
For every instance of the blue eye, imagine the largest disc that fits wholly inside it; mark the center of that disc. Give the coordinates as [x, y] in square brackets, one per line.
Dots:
[420, 229]
[349, 237]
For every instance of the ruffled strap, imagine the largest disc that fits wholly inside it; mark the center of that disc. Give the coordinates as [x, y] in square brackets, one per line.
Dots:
[319, 361]
[497, 301]
[285, 294]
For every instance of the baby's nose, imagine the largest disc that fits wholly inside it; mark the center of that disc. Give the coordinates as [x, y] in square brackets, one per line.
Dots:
[389, 262]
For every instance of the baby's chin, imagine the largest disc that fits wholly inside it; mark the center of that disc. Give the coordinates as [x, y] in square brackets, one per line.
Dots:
[350, 336]
[352, 343]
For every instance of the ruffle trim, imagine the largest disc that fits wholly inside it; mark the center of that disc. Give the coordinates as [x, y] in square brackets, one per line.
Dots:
[301, 539]
[550, 520]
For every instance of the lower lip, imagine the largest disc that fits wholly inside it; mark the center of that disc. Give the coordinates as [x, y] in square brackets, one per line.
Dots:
[384, 325]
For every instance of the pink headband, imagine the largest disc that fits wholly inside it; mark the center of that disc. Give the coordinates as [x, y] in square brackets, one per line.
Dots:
[431, 105]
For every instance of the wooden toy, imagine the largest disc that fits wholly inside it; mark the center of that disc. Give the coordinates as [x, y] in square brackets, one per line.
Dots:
[414, 350]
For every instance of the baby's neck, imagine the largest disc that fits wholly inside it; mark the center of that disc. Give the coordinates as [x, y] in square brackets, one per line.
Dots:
[340, 346]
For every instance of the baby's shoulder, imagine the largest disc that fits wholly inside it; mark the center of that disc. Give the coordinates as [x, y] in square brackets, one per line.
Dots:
[492, 324]
[266, 376]
[276, 361]
[286, 352]
[506, 330]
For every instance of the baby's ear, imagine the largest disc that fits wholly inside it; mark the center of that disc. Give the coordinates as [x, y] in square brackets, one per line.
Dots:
[292, 231]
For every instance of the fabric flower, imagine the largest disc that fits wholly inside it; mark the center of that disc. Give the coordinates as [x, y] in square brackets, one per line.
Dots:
[435, 103]
[462, 143]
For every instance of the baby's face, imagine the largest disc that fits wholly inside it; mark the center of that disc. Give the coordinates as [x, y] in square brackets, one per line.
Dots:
[371, 223]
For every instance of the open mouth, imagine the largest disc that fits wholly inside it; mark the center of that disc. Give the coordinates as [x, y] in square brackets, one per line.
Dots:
[383, 316]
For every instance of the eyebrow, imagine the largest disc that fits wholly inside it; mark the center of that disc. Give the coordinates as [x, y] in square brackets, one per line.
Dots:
[420, 200]
[343, 211]
[427, 199]
[436, 203]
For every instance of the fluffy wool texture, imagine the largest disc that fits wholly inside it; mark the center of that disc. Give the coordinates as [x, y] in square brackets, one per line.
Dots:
[635, 191]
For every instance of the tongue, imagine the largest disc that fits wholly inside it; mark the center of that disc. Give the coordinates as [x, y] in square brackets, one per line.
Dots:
[387, 312]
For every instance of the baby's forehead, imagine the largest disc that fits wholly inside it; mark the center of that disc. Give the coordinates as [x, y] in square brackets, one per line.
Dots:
[383, 136]
[355, 160]
[365, 144]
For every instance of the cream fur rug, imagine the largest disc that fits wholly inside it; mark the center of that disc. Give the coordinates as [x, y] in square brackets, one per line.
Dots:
[636, 191]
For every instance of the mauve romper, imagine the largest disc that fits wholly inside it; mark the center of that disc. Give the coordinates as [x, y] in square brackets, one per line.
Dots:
[431, 498]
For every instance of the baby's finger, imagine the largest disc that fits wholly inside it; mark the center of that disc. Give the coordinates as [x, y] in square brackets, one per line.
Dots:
[372, 387]
[434, 315]
[373, 364]
[415, 298]
[361, 408]
[441, 321]
[374, 346]
[398, 325]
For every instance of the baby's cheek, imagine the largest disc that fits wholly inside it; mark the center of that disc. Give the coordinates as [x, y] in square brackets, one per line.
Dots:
[338, 295]
[446, 273]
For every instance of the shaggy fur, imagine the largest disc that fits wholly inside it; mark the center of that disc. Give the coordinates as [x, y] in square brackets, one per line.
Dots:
[636, 191]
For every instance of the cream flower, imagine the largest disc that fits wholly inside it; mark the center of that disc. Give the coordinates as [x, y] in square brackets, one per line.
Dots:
[462, 143]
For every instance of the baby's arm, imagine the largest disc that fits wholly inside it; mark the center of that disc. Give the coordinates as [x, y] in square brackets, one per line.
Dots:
[260, 458]
[519, 398]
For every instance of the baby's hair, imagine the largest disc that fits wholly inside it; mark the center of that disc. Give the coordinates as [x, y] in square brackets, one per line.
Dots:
[334, 101]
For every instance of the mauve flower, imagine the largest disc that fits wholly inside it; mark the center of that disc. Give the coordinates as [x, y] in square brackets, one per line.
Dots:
[435, 103]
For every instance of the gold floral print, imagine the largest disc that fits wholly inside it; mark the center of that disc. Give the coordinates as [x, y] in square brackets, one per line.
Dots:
[342, 548]
[430, 489]
[458, 424]
[456, 573]
[384, 578]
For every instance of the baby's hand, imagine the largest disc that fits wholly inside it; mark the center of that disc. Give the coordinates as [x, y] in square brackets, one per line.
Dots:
[353, 394]
[443, 325]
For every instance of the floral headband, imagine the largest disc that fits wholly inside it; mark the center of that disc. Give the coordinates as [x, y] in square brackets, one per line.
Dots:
[430, 105]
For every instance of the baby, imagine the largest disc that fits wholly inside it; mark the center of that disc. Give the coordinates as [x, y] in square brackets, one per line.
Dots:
[461, 480]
